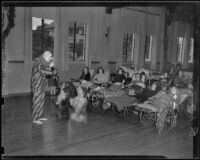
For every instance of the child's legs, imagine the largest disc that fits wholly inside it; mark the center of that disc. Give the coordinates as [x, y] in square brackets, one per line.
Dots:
[51, 90]
[54, 90]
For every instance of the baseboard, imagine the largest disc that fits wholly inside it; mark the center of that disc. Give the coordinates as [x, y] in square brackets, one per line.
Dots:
[16, 94]
[19, 94]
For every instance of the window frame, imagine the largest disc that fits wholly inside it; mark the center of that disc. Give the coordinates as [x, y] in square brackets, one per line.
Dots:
[43, 48]
[85, 43]
[133, 46]
[151, 43]
[180, 58]
[191, 51]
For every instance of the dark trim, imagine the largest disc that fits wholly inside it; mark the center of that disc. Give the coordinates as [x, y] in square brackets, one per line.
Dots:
[155, 14]
[158, 62]
[17, 94]
[112, 62]
[94, 62]
[16, 61]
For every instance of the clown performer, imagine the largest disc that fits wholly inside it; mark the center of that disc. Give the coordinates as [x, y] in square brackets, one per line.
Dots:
[42, 67]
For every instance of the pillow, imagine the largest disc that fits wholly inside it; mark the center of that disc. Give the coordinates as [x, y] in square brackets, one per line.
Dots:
[129, 70]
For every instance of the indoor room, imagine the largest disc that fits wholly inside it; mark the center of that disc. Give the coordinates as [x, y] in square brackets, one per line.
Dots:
[100, 80]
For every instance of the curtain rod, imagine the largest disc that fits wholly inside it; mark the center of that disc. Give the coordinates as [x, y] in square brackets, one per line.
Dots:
[141, 11]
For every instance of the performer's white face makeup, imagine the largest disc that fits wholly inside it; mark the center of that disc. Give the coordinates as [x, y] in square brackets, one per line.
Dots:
[48, 56]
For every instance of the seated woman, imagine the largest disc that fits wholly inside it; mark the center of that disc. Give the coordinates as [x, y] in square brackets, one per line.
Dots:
[85, 74]
[180, 81]
[100, 78]
[119, 77]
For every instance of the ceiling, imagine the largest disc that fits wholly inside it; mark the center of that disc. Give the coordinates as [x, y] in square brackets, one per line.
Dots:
[177, 11]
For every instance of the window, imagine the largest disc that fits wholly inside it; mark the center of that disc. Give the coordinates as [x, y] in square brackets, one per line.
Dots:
[191, 51]
[77, 42]
[43, 36]
[129, 42]
[148, 48]
[180, 49]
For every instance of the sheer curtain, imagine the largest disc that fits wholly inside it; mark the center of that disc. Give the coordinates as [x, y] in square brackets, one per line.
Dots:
[61, 31]
[27, 39]
[187, 38]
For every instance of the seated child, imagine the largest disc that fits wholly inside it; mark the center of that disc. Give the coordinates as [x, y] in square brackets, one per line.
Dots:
[100, 78]
[180, 81]
[79, 104]
[119, 77]
[85, 74]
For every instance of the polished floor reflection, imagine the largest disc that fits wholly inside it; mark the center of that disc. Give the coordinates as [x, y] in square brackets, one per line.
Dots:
[103, 134]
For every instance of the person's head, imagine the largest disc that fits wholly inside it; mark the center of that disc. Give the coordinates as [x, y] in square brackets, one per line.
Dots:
[153, 87]
[143, 77]
[172, 68]
[120, 71]
[174, 90]
[62, 85]
[178, 68]
[137, 77]
[163, 85]
[100, 70]
[54, 71]
[180, 73]
[165, 75]
[85, 70]
[47, 55]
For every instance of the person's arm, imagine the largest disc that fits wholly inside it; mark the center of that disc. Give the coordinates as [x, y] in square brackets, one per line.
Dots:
[94, 78]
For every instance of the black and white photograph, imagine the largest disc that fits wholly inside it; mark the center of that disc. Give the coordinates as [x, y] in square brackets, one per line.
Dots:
[94, 80]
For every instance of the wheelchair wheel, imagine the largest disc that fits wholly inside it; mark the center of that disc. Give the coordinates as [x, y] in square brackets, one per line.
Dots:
[131, 115]
[95, 102]
[146, 118]
[167, 123]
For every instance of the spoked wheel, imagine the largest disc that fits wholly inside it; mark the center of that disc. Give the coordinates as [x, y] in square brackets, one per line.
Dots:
[131, 115]
[147, 118]
[167, 120]
[184, 107]
[96, 100]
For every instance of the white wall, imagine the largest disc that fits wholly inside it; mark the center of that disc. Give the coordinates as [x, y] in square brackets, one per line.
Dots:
[18, 81]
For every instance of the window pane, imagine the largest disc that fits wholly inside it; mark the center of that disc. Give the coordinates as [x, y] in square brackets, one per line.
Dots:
[191, 52]
[180, 52]
[77, 43]
[128, 47]
[148, 45]
[125, 44]
[42, 39]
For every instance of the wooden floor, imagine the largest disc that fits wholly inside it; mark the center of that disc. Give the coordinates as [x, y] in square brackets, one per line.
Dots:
[103, 134]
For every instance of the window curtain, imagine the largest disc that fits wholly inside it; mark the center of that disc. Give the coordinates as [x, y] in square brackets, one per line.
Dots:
[27, 39]
[155, 46]
[142, 34]
[61, 32]
[188, 36]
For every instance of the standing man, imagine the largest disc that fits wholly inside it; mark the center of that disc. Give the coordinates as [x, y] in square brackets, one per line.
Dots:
[42, 67]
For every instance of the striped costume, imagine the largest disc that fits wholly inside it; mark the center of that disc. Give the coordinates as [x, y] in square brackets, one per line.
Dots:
[38, 84]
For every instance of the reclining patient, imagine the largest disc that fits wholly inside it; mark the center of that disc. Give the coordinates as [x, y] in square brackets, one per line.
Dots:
[159, 101]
